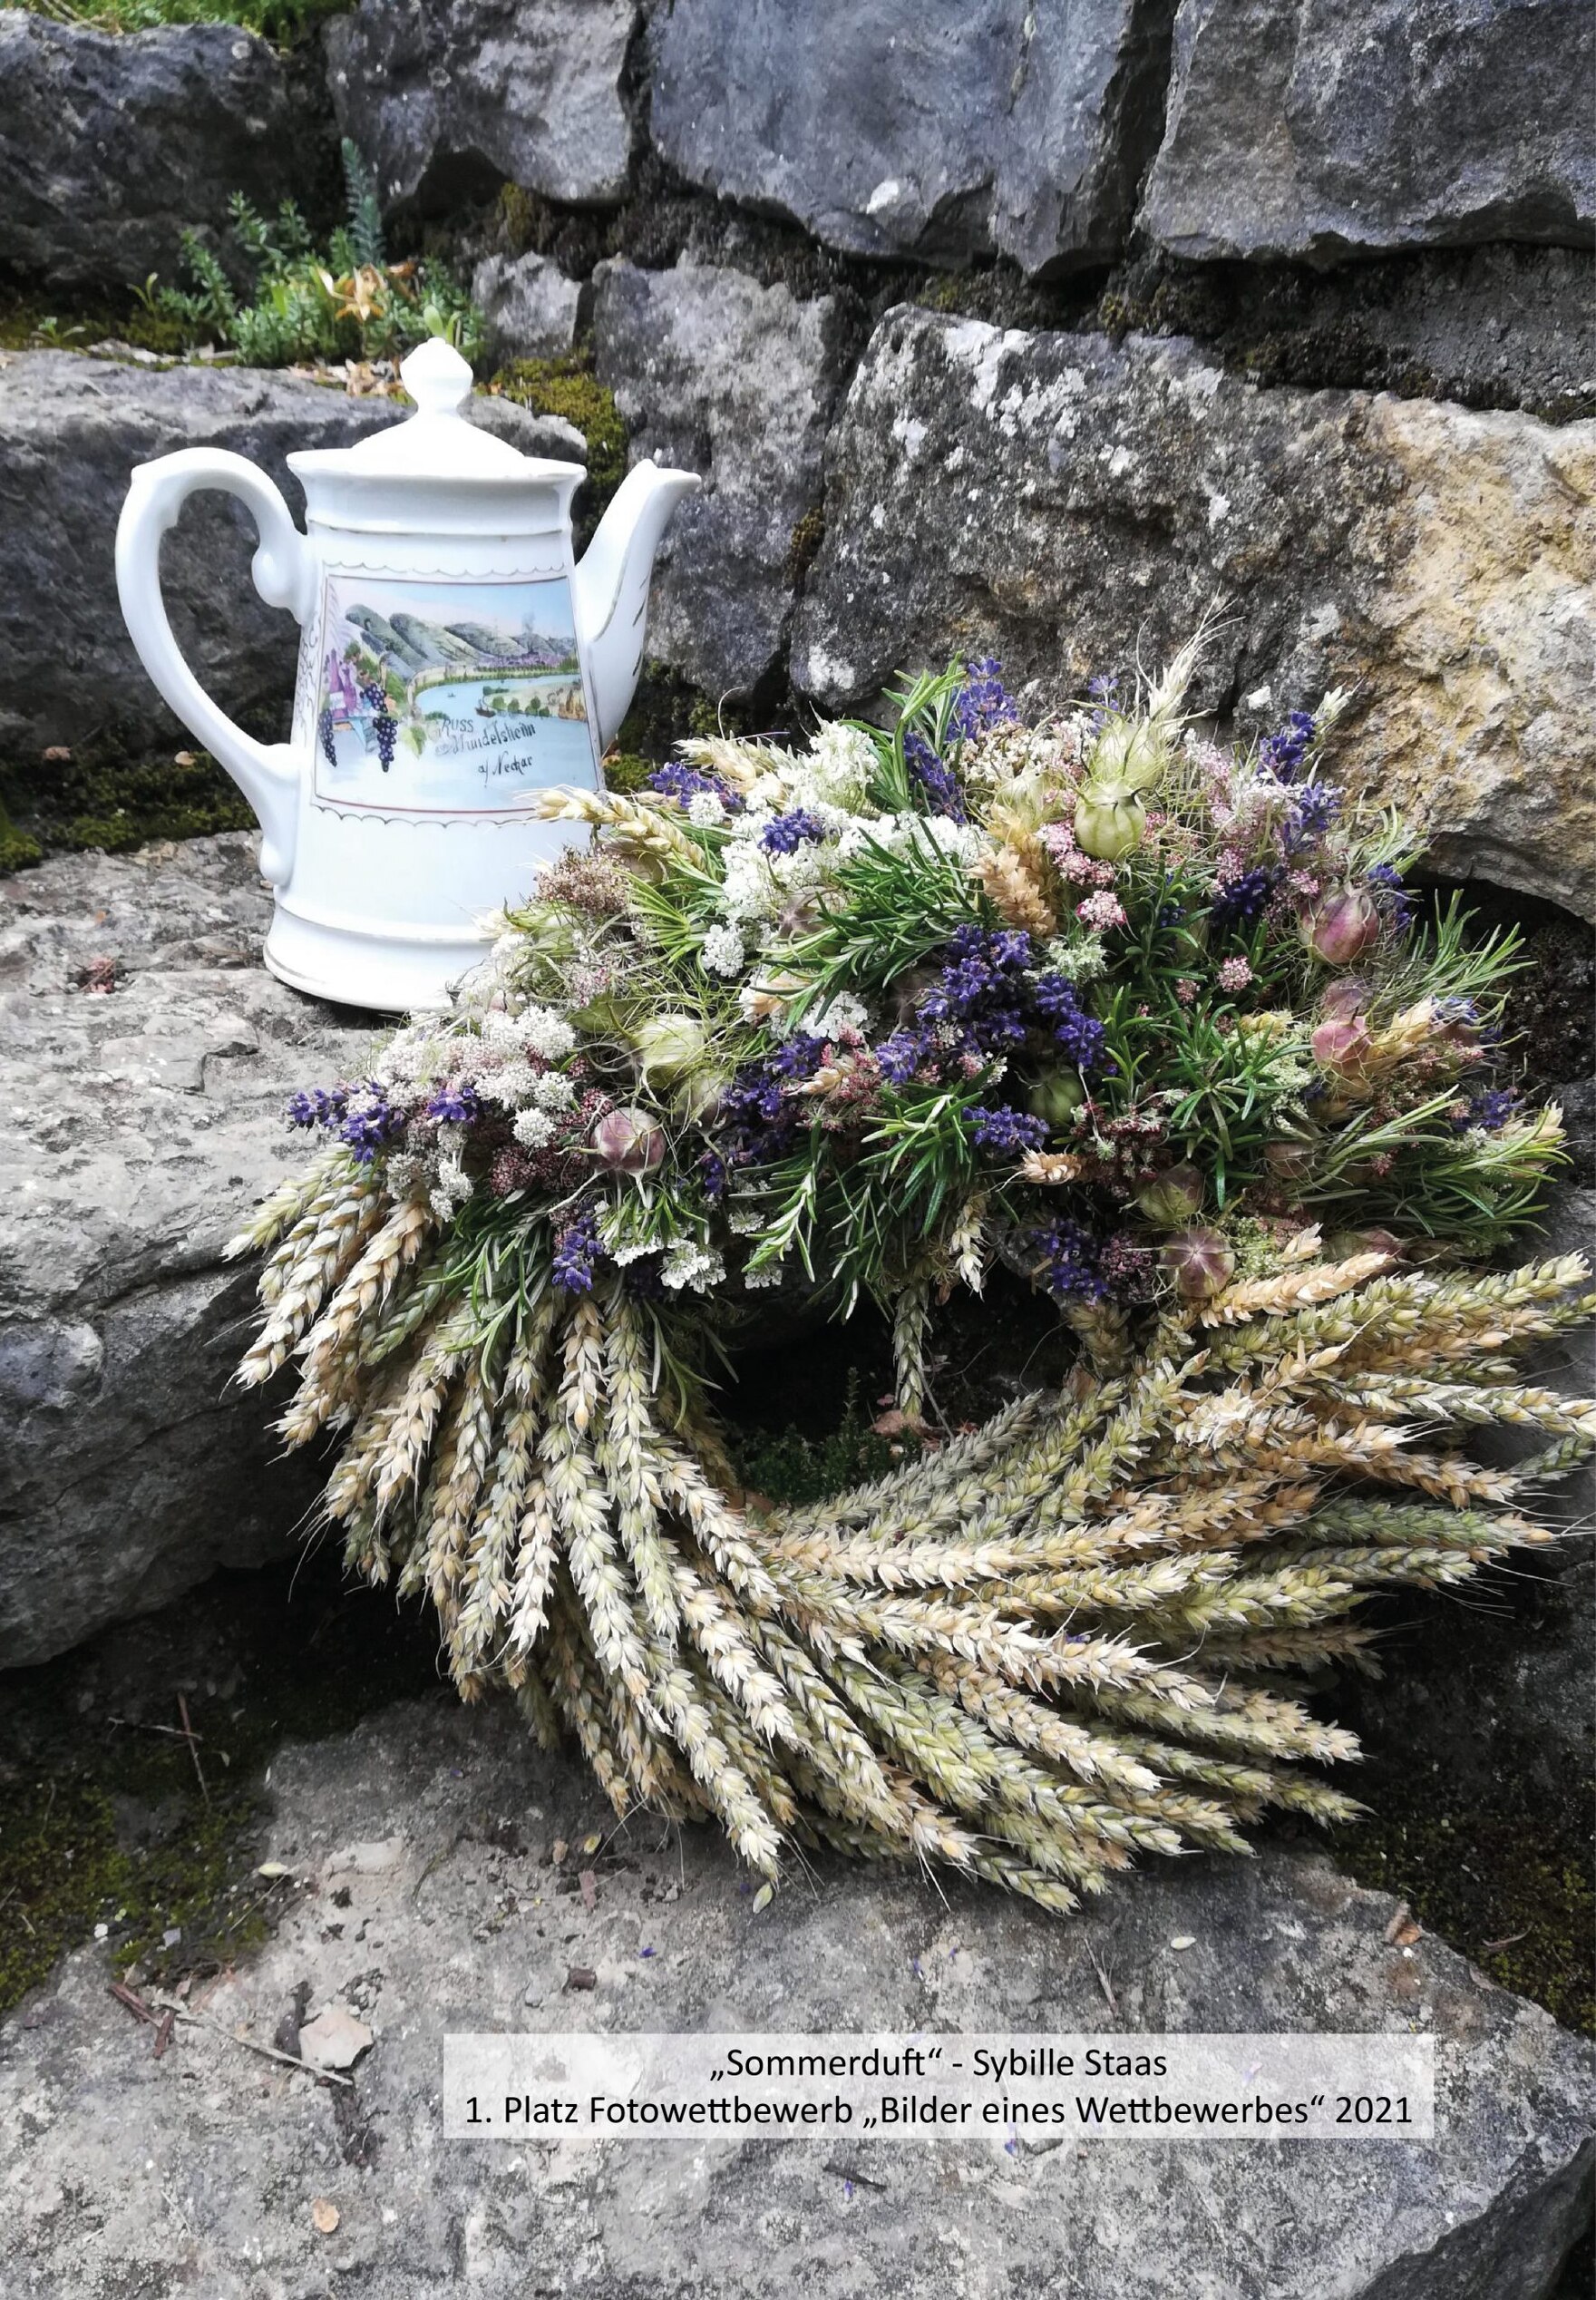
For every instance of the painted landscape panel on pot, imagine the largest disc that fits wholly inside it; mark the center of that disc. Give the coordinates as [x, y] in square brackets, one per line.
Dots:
[448, 697]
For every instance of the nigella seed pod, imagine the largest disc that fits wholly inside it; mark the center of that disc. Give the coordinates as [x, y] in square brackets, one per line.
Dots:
[668, 1046]
[1200, 1263]
[1343, 927]
[1341, 1043]
[700, 1095]
[1172, 1197]
[1055, 1098]
[1110, 827]
[628, 1141]
[1344, 999]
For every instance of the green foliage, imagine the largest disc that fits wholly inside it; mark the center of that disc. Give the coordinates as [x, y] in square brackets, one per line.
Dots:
[792, 1468]
[302, 305]
[282, 22]
[368, 243]
[892, 907]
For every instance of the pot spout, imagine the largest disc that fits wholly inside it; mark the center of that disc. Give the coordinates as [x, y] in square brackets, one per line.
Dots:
[611, 587]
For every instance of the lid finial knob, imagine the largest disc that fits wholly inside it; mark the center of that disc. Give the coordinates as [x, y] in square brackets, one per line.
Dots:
[436, 377]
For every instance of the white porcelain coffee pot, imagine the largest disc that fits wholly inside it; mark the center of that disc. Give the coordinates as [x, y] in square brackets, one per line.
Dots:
[455, 661]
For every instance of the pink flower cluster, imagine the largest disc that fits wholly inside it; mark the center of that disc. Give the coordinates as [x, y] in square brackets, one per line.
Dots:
[1080, 870]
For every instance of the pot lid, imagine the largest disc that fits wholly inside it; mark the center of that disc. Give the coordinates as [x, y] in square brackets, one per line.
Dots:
[437, 442]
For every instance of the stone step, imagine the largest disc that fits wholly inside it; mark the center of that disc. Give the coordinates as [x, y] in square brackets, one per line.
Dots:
[145, 1056]
[430, 1903]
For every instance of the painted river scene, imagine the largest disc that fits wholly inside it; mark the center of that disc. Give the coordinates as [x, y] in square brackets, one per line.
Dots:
[448, 697]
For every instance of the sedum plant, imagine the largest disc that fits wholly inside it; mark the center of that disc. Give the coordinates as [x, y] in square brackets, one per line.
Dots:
[1155, 1025]
[347, 302]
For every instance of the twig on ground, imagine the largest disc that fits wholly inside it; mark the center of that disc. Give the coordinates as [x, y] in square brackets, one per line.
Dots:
[268, 2051]
[134, 2003]
[193, 1740]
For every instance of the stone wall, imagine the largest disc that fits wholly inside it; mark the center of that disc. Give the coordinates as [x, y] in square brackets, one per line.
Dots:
[989, 327]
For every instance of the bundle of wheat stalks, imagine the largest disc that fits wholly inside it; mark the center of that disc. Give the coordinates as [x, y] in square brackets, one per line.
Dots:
[1030, 1654]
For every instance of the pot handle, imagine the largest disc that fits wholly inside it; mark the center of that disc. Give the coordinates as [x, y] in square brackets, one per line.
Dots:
[283, 568]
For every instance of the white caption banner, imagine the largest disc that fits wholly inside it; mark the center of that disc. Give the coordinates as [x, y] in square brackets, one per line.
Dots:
[590, 2085]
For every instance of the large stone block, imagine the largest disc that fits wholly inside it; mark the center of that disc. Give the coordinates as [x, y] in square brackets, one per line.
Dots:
[1320, 128]
[425, 1901]
[737, 382]
[1067, 502]
[110, 142]
[145, 1057]
[530, 306]
[448, 98]
[71, 431]
[896, 127]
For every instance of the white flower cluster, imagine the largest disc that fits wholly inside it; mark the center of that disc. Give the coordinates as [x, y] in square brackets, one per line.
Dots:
[845, 1012]
[723, 952]
[689, 1266]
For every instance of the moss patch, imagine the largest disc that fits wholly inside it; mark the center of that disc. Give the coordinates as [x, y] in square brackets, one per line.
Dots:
[567, 386]
[1511, 1885]
[33, 322]
[99, 795]
[102, 1818]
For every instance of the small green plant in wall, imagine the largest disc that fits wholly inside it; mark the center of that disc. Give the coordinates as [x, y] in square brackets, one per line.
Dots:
[304, 305]
[280, 21]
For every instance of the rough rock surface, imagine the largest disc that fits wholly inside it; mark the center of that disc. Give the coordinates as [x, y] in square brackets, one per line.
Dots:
[70, 430]
[110, 142]
[889, 128]
[430, 1903]
[529, 304]
[1329, 127]
[716, 375]
[136, 1127]
[1497, 327]
[1064, 501]
[447, 98]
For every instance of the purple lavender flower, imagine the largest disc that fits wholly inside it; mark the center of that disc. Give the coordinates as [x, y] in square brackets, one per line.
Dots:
[983, 702]
[1077, 1034]
[900, 1056]
[757, 1121]
[1005, 1129]
[1395, 900]
[1284, 753]
[1239, 903]
[371, 1123]
[318, 1106]
[576, 1251]
[1315, 808]
[455, 1105]
[1069, 1255]
[1489, 1110]
[785, 834]
[681, 782]
[985, 1002]
[936, 779]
